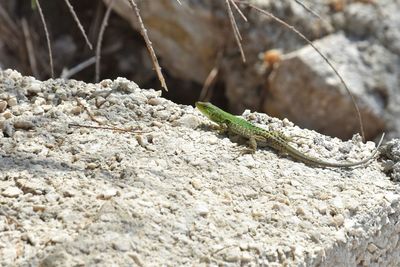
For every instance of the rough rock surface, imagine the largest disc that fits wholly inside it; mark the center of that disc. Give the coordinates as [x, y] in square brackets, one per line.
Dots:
[175, 192]
[302, 76]
[189, 36]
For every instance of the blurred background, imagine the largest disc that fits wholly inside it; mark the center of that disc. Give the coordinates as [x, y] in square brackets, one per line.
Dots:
[194, 40]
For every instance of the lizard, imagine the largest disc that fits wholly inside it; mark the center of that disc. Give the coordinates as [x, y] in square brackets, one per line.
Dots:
[261, 137]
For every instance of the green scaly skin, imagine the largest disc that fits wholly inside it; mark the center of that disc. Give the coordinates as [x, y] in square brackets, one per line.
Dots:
[262, 137]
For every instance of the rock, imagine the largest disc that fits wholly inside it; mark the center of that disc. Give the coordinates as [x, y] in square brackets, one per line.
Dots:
[12, 191]
[24, 125]
[311, 78]
[3, 106]
[12, 102]
[202, 209]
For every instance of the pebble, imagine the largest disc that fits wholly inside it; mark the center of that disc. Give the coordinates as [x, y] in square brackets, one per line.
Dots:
[109, 193]
[155, 101]
[189, 121]
[121, 245]
[12, 191]
[76, 110]
[38, 110]
[40, 101]
[47, 107]
[23, 125]
[91, 166]
[34, 87]
[202, 209]
[7, 114]
[3, 106]
[12, 101]
[339, 220]
[8, 129]
[196, 183]
[372, 247]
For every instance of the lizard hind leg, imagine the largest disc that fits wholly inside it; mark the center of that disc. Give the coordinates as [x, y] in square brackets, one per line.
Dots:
[252, 143]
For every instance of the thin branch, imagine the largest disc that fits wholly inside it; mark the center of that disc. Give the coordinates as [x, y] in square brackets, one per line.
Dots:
[71, 9]
[308, 9]
[47, 37]
[129, 130]
[29, 48]
[292, 28]
[91, 116]
[100, 40]
[204, 94]
[154, 59]
[238, 10]
[235, 28]
[66, 74]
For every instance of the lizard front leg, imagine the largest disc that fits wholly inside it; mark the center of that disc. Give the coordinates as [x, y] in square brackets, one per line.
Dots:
[252, 142]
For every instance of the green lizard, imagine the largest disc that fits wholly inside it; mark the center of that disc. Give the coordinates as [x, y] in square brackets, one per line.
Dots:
[262, 137]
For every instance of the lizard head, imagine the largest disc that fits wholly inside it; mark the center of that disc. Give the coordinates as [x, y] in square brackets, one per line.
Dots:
[212, 112]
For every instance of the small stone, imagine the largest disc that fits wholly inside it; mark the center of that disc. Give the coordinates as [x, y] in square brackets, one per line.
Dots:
[257, 214]
[300, 211]
[7, 115]
[91, 166]
[196, 183]
[39, 208]
[109, 193]
[121, 245]
[189, 121]
[76, 110]
[202, 209]
[8, 129]
[40, 101]
[23, 125]
[3, 106]
[34, 87]
[46, 107]
[372, 247]
[155, 101]
[340, 236]
[12, 101]
[38, 110]
[12, 191]
[338, 220]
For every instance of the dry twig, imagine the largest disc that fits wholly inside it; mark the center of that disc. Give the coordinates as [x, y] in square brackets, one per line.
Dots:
[71, 9]
[149, 45]
[47, 37]
[129, 130]
[235, 28]
[100, 40]
[92, 117]
[66, 74]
